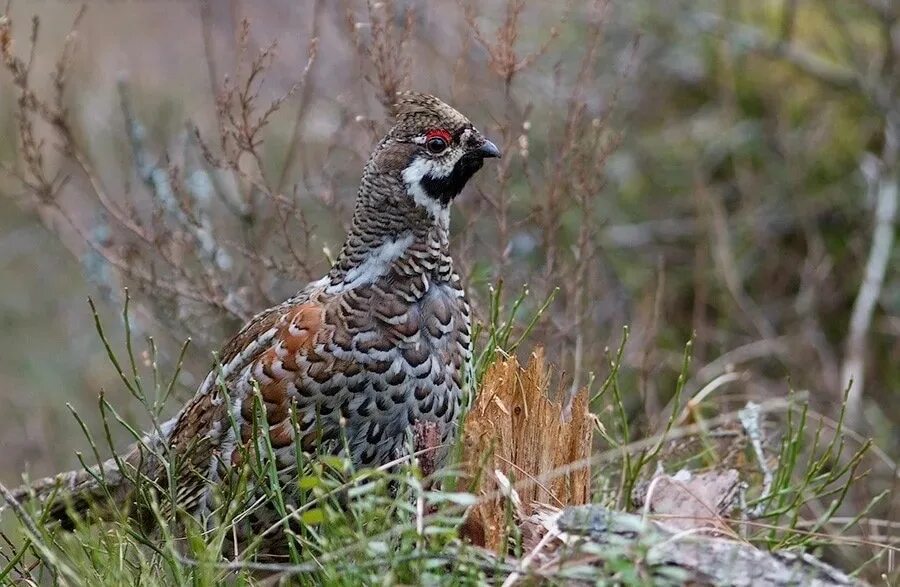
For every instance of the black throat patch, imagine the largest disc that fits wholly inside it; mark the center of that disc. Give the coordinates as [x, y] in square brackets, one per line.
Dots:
[444, 189]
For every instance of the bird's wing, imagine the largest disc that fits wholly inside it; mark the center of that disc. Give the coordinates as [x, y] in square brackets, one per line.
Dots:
[266, 351]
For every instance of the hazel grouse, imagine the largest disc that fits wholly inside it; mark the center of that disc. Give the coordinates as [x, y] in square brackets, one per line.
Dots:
[350, 363]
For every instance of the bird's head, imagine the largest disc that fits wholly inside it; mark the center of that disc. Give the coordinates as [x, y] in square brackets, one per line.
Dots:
[435, 149]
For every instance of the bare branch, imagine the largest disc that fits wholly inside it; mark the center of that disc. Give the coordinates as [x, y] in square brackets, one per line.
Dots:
[884, 184]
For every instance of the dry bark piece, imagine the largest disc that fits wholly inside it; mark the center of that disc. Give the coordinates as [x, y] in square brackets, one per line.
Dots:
[515, 429]
[426, 441]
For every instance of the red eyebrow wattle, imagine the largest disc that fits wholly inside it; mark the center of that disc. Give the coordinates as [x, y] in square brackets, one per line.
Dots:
[438, 133]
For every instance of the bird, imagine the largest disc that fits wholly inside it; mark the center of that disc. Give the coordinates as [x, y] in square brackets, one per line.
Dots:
[347, 366]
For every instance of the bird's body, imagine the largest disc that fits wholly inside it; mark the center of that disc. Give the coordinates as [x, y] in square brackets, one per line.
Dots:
[350, 363]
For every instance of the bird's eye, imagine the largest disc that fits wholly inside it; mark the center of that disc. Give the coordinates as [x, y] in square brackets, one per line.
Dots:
[437, 141]
[436, 145]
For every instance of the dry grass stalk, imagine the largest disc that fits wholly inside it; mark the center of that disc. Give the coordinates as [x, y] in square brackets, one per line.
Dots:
[515, 429]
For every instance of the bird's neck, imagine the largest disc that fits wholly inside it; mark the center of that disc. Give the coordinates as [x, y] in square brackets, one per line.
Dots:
[392, 238]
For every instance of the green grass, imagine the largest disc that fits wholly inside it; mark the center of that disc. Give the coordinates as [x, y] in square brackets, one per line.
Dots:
[392, 527]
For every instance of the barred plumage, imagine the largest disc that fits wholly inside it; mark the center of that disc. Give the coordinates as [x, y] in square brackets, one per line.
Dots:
[374, 347]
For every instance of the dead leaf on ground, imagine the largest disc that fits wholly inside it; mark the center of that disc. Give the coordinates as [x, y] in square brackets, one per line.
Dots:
[690, 500]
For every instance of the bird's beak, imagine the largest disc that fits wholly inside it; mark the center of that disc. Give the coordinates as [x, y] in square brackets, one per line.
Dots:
[487, 149]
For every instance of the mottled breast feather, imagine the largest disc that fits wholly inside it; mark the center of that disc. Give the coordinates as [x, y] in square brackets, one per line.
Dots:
[350, 368]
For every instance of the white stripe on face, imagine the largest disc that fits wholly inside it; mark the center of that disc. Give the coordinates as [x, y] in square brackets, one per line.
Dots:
[412, 177]
[434, 168]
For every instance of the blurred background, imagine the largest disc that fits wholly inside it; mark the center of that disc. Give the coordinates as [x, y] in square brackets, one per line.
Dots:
[723, 172]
